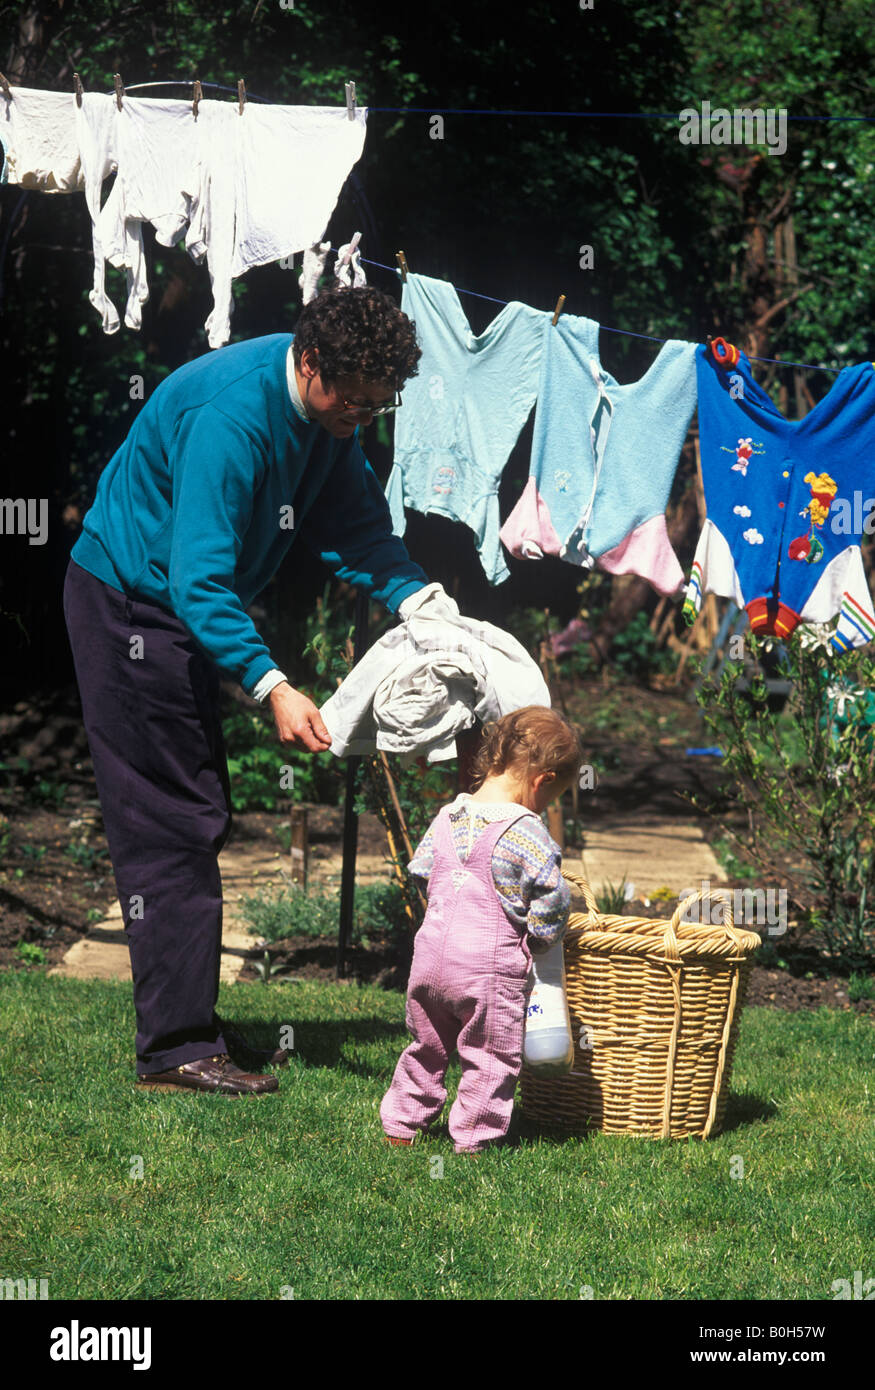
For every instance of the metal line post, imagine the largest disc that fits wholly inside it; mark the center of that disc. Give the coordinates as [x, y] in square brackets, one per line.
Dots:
[350, 819]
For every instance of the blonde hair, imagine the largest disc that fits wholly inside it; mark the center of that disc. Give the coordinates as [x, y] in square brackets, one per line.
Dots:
[530, 741]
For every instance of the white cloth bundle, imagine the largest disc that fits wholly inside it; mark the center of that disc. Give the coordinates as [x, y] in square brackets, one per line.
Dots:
[427, 680]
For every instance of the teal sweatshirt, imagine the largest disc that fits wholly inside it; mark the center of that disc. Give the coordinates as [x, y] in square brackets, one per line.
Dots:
[217, 478]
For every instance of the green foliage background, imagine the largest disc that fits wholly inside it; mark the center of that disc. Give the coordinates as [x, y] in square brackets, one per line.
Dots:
[501, 206]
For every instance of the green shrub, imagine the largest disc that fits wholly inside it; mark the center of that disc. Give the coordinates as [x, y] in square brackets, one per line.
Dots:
[634, 650]
[266, 776]
[30, 953]
[18, 776]
[806, 775]
[294, 911]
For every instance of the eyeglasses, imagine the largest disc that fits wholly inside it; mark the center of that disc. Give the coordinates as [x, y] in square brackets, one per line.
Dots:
[361, 408]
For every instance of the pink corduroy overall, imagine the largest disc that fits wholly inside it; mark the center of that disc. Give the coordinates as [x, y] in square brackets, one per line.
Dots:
[467, 991]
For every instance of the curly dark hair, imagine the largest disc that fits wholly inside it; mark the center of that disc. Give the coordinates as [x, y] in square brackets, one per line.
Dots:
[358, 332]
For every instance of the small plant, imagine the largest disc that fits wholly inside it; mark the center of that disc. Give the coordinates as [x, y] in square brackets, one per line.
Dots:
[379, 907]
[611, 899]
[266, 969]
[31, 953]
[49, 793]
[663, 895]
[18, 775]
[34, 852]
[41, 930]
[634, 651]
[289, 911]
[85, 855]
[860, 987]
[769, 956]
[294, 911]
[604, 716]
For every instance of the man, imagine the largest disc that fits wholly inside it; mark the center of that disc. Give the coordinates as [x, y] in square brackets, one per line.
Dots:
[235, 456]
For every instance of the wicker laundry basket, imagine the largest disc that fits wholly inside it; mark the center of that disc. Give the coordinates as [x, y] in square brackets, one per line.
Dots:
[654, 1009]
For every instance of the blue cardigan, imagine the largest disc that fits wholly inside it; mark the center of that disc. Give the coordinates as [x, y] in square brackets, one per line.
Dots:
[215, 481]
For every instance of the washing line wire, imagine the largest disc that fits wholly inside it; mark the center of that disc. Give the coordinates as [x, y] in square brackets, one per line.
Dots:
[493, 111]
[468, 111]
[624, 332]
[591, 115]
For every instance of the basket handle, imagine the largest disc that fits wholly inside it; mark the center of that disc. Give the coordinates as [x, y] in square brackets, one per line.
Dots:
[723, 895]
[580, 882]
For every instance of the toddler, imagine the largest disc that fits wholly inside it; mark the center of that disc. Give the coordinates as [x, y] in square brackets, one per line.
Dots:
[495, 895]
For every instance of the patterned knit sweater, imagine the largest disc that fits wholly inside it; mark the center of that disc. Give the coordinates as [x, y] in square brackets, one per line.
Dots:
[526, 864]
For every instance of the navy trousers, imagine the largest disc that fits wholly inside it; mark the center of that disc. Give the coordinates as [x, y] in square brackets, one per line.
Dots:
[151, 713]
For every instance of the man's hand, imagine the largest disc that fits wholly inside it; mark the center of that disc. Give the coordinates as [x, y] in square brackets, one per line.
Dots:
[297, 719]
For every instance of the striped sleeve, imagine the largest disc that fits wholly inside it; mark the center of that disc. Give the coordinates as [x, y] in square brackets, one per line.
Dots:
[422, 862]
[527, 871]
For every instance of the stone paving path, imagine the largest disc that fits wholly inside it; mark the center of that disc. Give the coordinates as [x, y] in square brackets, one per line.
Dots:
[649, 852]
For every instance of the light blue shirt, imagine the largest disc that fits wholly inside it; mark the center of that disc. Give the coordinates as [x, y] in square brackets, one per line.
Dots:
[604, 455]
[463, 412]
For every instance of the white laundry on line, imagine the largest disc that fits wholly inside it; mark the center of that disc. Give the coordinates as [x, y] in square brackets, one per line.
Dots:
[40, 142]
[95, 132]
[249, 189]
[156, 144]
[292, 162]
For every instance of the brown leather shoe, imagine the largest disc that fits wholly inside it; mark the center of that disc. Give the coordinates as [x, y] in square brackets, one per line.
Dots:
[209, 1074]
[245, 1054]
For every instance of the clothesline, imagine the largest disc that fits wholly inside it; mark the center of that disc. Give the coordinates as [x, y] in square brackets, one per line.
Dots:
[591, 115]
[624, 332]
[218, 327]
[492, 111]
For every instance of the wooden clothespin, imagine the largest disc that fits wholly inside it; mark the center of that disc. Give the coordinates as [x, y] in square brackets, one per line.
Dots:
[119, 89]
[198, 96]
[402, 261]
[77, 81]
[7, 91]
[558, 310]
[349, 87]
[241, 96]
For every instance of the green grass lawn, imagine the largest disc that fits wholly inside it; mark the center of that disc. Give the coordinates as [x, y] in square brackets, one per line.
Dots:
[296, 1195]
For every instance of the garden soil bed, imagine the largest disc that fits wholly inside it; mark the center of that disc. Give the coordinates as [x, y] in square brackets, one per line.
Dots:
[56, 878]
